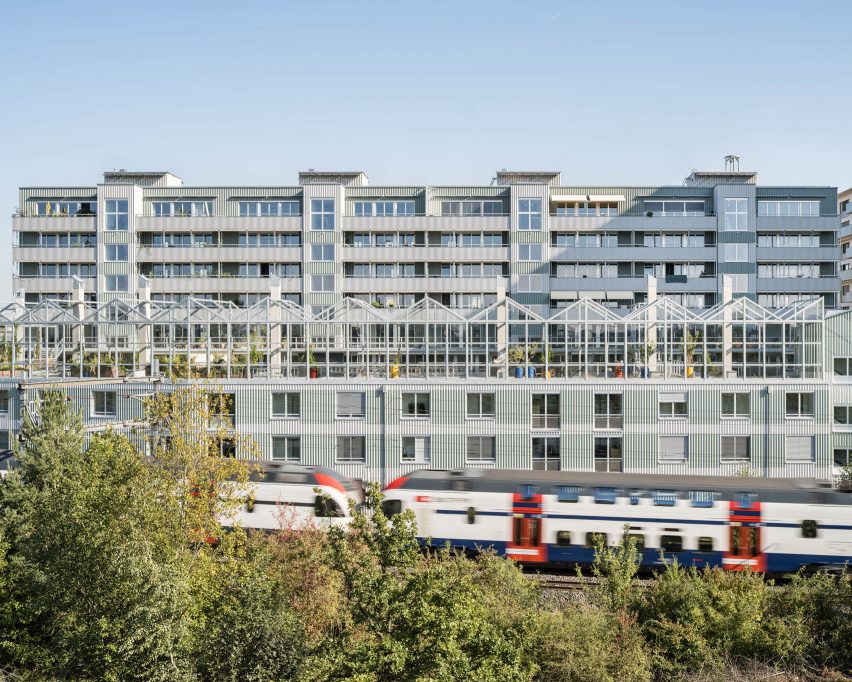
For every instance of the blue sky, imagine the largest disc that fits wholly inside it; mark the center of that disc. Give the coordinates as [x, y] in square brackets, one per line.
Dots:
[423, 93]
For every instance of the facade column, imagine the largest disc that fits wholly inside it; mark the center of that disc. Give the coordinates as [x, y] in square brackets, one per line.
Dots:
[274, 341]
[727, 328]
[144, 340]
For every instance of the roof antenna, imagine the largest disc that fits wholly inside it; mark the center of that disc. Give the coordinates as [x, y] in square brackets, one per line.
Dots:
[732, 163]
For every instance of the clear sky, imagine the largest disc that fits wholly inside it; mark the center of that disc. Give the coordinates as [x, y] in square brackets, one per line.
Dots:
[441, 92]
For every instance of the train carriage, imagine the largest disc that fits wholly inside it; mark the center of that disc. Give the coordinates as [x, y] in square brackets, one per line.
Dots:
[556, 518]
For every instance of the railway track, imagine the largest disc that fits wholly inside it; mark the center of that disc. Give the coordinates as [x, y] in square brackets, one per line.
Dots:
[564, 582]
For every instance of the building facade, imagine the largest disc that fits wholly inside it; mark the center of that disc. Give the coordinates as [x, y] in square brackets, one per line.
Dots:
[844, 205]
[520, 324]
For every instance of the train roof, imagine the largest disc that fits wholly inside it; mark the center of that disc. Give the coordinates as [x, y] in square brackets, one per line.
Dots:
[503, 480]
[286, 472]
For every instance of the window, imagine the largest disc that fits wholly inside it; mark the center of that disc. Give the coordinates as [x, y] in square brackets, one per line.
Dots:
[608, 454]
[269, 208]
[736, 214]
[671, 543]
[809, 529]
[351, 404]
[843, 414]
[415, 405]
[322, 282]
[563, 538]
[322, 214]
[480, 449]
[286, 449]
[530, 283]
[605, 495]
[545, 410]
[638, 540]
[184, 209]
[116, 215]
[665, 498]
[471, 208]
[843, 367]
[104, 403]
[568, 493]
[4, 402]
[735, 449]
[705, 544]
[325, 507]
[116, 252]
[222, 410]
[608, 411]
[788, 208]
[227, 447]
[529, 252]
[481, 405]
[286, 405]
[673, 405]
[351, 449]
[529, 214]
[471, 515]
[415, 449]
[115, 283]
[799, 449]
[703, 498]
[675, 208]
[735, 253]
[843, 457]
[800, 404]
[593, 540]
[322, 252]
[674, 448]
[384, 208]
[545, 454]
[735, 405]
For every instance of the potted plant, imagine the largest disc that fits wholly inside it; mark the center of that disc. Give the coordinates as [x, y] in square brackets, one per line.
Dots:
[691, 346]
[394, 368]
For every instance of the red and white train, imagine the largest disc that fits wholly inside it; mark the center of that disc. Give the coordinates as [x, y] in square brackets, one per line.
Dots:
[550, 517]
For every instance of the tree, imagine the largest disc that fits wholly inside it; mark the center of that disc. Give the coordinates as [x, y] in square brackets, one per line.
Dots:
[91, 588]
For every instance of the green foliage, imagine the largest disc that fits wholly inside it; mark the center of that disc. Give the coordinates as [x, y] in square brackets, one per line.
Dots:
[616, 567]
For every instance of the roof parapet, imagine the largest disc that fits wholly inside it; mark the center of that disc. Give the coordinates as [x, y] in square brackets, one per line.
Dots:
[142, 178]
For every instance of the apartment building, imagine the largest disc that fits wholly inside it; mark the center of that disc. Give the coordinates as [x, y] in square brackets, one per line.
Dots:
[517, 324]
[844, 206]
[523, 235]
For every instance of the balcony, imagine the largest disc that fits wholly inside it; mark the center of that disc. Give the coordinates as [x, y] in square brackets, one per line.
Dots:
[86, 223]
[414, 285]
[795, 253]
[794, 285]
[487, 223]
[699, 223]
[632, 253]
[187, 285]
[424, 253]
[54, 254]
[218, 223]
[63, 285]
[216, 254]
[798, 223]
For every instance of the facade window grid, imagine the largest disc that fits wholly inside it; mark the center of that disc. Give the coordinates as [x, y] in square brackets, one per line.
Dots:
[545, 454]
[351, 449]
[545, 411]
[735, 449]
[322, 214]
[736, 405]
[116, 215]
[184, 209]
[286, 405]
[480, 449]
[269, 208]
[529, 214]
[608, 411]
[481, 405]
[287, 449]
[415, 449]
[799, 404]
[608, 454]
[736, 214]
[104, 403]
[415, 405]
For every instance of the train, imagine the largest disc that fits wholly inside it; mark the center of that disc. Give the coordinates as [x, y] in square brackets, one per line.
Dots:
[286, 494]
[552, 518]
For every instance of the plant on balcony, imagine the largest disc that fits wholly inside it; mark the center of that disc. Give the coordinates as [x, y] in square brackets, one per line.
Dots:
[692, 342]
[521, 354]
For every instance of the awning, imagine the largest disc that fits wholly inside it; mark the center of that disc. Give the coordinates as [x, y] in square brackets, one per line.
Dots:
[620, 295]
[564, 294]
[588, 197]
[592, 294]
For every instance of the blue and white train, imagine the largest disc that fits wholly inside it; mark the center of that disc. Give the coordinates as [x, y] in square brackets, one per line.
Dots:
[551, 517]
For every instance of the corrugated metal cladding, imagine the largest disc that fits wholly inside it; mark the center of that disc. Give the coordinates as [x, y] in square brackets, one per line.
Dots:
[448, 425]
[56, 193]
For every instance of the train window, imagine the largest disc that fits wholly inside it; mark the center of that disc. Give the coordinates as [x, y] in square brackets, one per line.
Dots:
[250, 504]
[605, 495]
[593, 539]
[391, 507]
[671, 543]
[702, 498]
[568, 493]
[326, 507]
[471, 515]
[516, 530]
[635, 496]
[752, 540]
[527, 492]
[809, 529]
[638, 539]
[459, 485]
[705, 544]
[665, 498]
[563, 538]
[745, 500]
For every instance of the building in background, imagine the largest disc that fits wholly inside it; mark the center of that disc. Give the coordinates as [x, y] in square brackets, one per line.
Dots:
[844, 204]
[518, 324]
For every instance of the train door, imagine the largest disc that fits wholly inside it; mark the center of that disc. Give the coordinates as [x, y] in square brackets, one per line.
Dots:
[526, 533]
[744, 537]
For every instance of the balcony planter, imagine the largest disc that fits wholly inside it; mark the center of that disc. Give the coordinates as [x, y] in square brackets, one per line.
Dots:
[314, 372]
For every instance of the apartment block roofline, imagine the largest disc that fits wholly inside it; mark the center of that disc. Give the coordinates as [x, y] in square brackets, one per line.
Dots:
[710, 178]
[507, 177]
[347, 178]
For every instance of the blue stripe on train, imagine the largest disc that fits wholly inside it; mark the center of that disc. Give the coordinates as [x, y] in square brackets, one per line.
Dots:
[775, 562]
